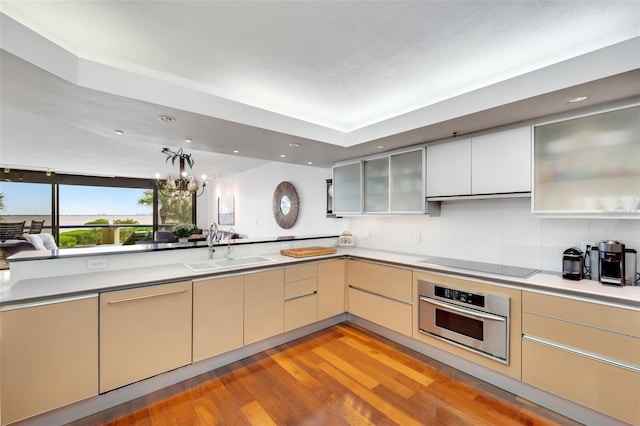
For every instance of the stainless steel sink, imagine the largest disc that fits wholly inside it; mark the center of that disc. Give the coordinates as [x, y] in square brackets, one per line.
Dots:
[207, 265]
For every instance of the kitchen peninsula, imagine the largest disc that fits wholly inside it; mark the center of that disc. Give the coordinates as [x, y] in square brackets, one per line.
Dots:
[269, 300]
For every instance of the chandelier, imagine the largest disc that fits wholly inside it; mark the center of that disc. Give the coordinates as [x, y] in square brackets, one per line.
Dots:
[183, 186]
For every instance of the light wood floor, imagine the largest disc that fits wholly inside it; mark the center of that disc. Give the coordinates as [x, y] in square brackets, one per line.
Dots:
[337, 376]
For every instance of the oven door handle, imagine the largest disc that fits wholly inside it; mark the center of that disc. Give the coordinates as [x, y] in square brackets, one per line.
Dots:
[463, 310]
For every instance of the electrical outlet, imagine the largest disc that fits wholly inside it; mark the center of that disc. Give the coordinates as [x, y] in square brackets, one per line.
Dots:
[97, 263]
[416, 237]
[366, 233]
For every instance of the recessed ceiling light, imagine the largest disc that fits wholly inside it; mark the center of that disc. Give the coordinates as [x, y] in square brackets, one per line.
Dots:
[118, 132]
[235, 151]
[380, 147]
[283, 155]
[309, 162]
[166, 118]
[188, 140]
[295, 145]
[578, 99]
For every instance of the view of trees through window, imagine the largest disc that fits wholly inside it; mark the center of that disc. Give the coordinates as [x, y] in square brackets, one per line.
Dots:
[92, 211]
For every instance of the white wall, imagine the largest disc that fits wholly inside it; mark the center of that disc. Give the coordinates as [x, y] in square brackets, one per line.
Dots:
[253, 194]
[493, 231]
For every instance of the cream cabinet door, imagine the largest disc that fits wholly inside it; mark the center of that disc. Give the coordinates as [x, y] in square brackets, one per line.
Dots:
[144, 332]
[381, 294]
[218, 316]
[331, 288]
[263, 305]
[49, 356]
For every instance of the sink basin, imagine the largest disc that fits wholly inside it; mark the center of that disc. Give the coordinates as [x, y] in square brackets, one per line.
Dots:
[243, 261]
[207, 265]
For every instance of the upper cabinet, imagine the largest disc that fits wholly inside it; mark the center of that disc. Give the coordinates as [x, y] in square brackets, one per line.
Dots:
[495, 164]
[449, 168]
[376, 185]
[389, 184]
[347, 188]
[589, 166]
[501, 162]
[406, 186]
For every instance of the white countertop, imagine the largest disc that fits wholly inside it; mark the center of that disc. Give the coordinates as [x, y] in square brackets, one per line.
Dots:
[29, 290]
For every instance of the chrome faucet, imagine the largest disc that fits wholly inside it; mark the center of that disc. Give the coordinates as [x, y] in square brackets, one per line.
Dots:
[231, 232]
[213, 234]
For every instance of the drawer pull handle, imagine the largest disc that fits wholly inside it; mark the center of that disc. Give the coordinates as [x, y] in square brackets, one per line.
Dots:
[301, 296]
[131, 299]
[584, 354]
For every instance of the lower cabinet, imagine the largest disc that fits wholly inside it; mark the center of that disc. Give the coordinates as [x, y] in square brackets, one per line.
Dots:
[144, 332]
[263, 305]
[218, 318]
[583, 351]
[331, 290]
[49, 356]
[381, 294]
[300, 296]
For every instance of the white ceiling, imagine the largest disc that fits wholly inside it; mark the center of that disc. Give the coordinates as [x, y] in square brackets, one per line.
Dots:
[335, 76]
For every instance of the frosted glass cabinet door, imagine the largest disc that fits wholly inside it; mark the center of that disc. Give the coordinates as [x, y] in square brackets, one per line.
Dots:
[376, 185]
[407, 194]
[589, 166]
[347, 188]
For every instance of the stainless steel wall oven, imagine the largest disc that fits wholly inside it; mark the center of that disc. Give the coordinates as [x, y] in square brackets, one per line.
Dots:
[470, 319]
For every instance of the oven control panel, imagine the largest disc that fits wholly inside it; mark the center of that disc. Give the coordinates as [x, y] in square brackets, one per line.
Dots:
[460, 296]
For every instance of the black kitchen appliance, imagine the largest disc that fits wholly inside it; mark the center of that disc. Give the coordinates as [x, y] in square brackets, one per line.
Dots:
[611, 265]
[572, 264]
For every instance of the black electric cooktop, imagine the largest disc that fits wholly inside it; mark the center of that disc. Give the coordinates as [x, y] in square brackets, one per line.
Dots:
[490, 268]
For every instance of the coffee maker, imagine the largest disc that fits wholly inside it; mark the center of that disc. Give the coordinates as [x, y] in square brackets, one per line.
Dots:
[572, 264]
[611, 262]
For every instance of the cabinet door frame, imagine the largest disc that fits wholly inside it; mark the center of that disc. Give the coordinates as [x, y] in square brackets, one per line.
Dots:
[336, 190]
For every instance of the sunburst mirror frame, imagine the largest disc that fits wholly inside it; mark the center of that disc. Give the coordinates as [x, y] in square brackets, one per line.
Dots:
[285, 205]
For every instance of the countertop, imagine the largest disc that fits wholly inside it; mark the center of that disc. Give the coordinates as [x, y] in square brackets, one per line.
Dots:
[30, 290]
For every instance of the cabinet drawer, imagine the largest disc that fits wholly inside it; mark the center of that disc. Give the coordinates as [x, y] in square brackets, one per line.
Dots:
[388, 313]
[301, 311]
[296, 273]
[603, 387]
[388, 281]
[144, 332]
[608, 344]
[617, 319]
[300, 288]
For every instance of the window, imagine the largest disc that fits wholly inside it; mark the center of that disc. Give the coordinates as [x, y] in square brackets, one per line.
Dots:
[26, 196]
[83, 211]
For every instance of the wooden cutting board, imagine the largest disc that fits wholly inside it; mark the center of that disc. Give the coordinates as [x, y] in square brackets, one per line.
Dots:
[308, 251]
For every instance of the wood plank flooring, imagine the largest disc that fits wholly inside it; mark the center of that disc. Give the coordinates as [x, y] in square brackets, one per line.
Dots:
[343, 375]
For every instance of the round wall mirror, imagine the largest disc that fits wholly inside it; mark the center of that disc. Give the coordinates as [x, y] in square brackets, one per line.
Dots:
[285, 205]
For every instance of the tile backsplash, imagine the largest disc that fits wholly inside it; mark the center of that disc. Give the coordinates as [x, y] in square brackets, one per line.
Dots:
[495, 231]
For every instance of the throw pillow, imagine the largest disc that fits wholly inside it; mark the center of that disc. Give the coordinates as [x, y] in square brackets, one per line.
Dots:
[35, 241]
[48, 241]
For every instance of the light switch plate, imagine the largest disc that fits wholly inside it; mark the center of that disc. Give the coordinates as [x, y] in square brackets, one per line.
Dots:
[416, 237]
